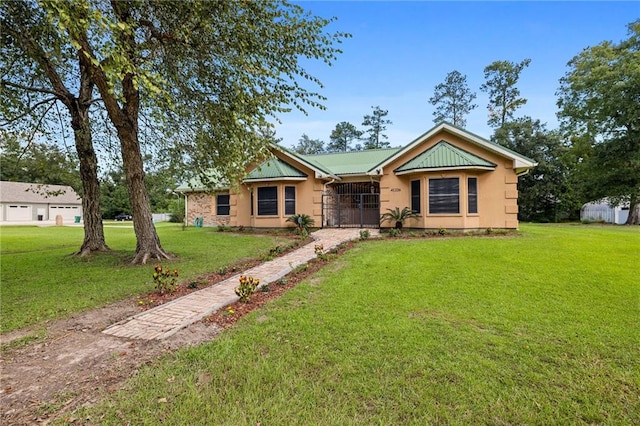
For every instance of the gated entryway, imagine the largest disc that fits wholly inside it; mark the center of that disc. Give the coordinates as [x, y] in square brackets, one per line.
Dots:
[351, 205]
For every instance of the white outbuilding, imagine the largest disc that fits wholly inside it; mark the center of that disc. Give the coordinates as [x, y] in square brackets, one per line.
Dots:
[602, 211]
[34, 202]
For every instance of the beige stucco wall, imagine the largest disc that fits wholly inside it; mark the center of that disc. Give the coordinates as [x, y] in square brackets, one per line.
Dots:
[497, 190]
[497, 194]
[308, 201]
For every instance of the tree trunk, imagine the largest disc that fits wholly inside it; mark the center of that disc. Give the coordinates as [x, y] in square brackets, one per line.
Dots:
[634, 212]
[93, 229]
[148, 244]
[124, 116]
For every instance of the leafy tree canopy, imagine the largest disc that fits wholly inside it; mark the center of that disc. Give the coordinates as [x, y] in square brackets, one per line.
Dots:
[306, 145]
[342, 136]
[599, 98]
[36, 162]
[213, 75]
[544, 193]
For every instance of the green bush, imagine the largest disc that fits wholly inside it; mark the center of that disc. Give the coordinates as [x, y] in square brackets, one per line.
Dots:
[302, 221]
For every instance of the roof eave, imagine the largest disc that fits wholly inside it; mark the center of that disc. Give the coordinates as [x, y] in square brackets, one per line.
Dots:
[319, 173]
[464, 134]
[277, 178]
[442, 169]
[522, 168]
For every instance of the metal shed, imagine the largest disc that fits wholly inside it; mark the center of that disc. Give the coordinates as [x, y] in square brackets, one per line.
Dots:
[602, 211]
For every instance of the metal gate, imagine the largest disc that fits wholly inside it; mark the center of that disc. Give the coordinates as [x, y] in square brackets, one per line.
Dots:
[352, 205]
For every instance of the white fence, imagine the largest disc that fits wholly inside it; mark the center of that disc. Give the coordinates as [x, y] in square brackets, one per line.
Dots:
[161, 217]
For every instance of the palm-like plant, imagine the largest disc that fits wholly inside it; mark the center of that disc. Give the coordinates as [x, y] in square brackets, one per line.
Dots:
[399, 216]
[302, 221]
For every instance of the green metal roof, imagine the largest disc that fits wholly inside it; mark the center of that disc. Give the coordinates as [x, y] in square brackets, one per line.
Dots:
[304, 159]
[274, 168]
[352, 162]
[216, 182]
[444, 155]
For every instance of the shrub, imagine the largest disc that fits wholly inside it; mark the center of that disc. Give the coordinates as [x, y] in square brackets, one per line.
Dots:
[399, 216]
[246, 288]
[164, 279]
[302, 221]
[442, 231]
[364, 234]
[282, 281]
[394, 232]
[195, 284]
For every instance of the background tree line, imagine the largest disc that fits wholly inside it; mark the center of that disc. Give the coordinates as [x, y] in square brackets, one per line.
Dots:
[594, 154]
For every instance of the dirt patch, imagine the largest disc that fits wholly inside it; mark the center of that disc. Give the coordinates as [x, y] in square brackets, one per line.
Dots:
[78, 365]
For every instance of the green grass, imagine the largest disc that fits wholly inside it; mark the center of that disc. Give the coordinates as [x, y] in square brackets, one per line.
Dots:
[542, 328]
[40, 281]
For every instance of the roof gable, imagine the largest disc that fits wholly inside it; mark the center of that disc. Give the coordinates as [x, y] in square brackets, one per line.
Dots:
[23, 192]
[443, 156]
[521, 164]
[274, 169]
[321, 171]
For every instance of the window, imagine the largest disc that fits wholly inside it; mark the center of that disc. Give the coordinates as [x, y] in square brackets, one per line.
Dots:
[252, 203]
[415, 195]
[444, 196]
[472, 195]
[289, 200]
[222, 205]
[268, 201]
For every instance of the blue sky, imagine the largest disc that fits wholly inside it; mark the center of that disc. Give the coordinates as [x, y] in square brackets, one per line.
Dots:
[401, 50]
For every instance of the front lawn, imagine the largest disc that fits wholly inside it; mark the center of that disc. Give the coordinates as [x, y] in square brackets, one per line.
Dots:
[542, 328]
[40, 281]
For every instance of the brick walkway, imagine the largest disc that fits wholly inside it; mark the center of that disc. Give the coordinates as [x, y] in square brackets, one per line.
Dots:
[165, 320]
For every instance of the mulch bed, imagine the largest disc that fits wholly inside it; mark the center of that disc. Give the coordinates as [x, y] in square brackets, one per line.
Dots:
[229, 315]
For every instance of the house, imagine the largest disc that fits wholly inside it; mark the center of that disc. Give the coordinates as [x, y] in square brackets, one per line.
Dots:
[451, 177]
[27, 202]
[602, 211]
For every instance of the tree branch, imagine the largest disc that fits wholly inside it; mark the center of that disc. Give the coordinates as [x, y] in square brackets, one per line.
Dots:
[33, 89]
[33, 108]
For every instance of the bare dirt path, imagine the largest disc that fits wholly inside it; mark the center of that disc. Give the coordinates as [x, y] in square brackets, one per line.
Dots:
[77, 364]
